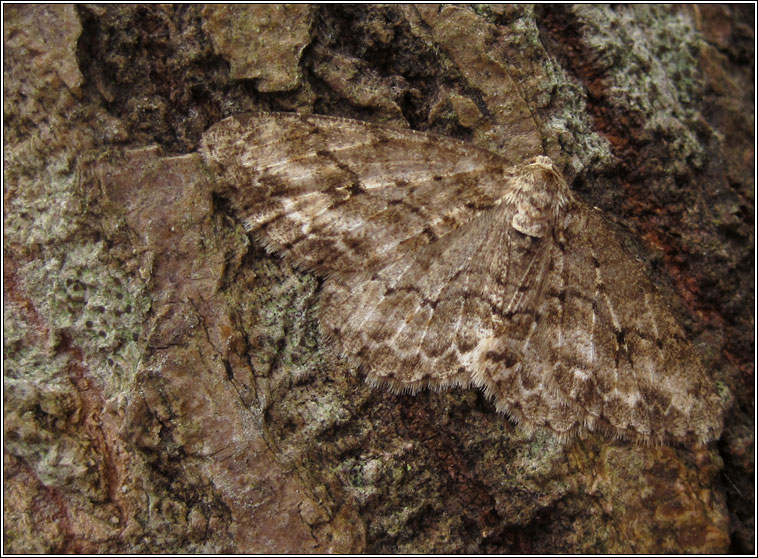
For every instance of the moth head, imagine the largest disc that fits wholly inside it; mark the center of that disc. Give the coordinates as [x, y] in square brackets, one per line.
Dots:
[541, 160]
[543, 169]
[540, 196]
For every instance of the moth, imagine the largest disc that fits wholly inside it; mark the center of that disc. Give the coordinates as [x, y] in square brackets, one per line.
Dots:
[445, 266]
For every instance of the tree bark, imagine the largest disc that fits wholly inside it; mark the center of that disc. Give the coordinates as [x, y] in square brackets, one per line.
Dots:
[166, 388]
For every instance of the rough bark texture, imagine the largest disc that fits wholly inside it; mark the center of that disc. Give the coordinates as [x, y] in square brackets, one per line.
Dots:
[166, 388]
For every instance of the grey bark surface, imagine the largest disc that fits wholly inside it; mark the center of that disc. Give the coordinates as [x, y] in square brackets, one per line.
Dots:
[166, 388]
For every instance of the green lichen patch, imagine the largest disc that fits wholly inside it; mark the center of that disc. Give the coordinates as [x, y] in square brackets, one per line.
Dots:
[97, 307]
